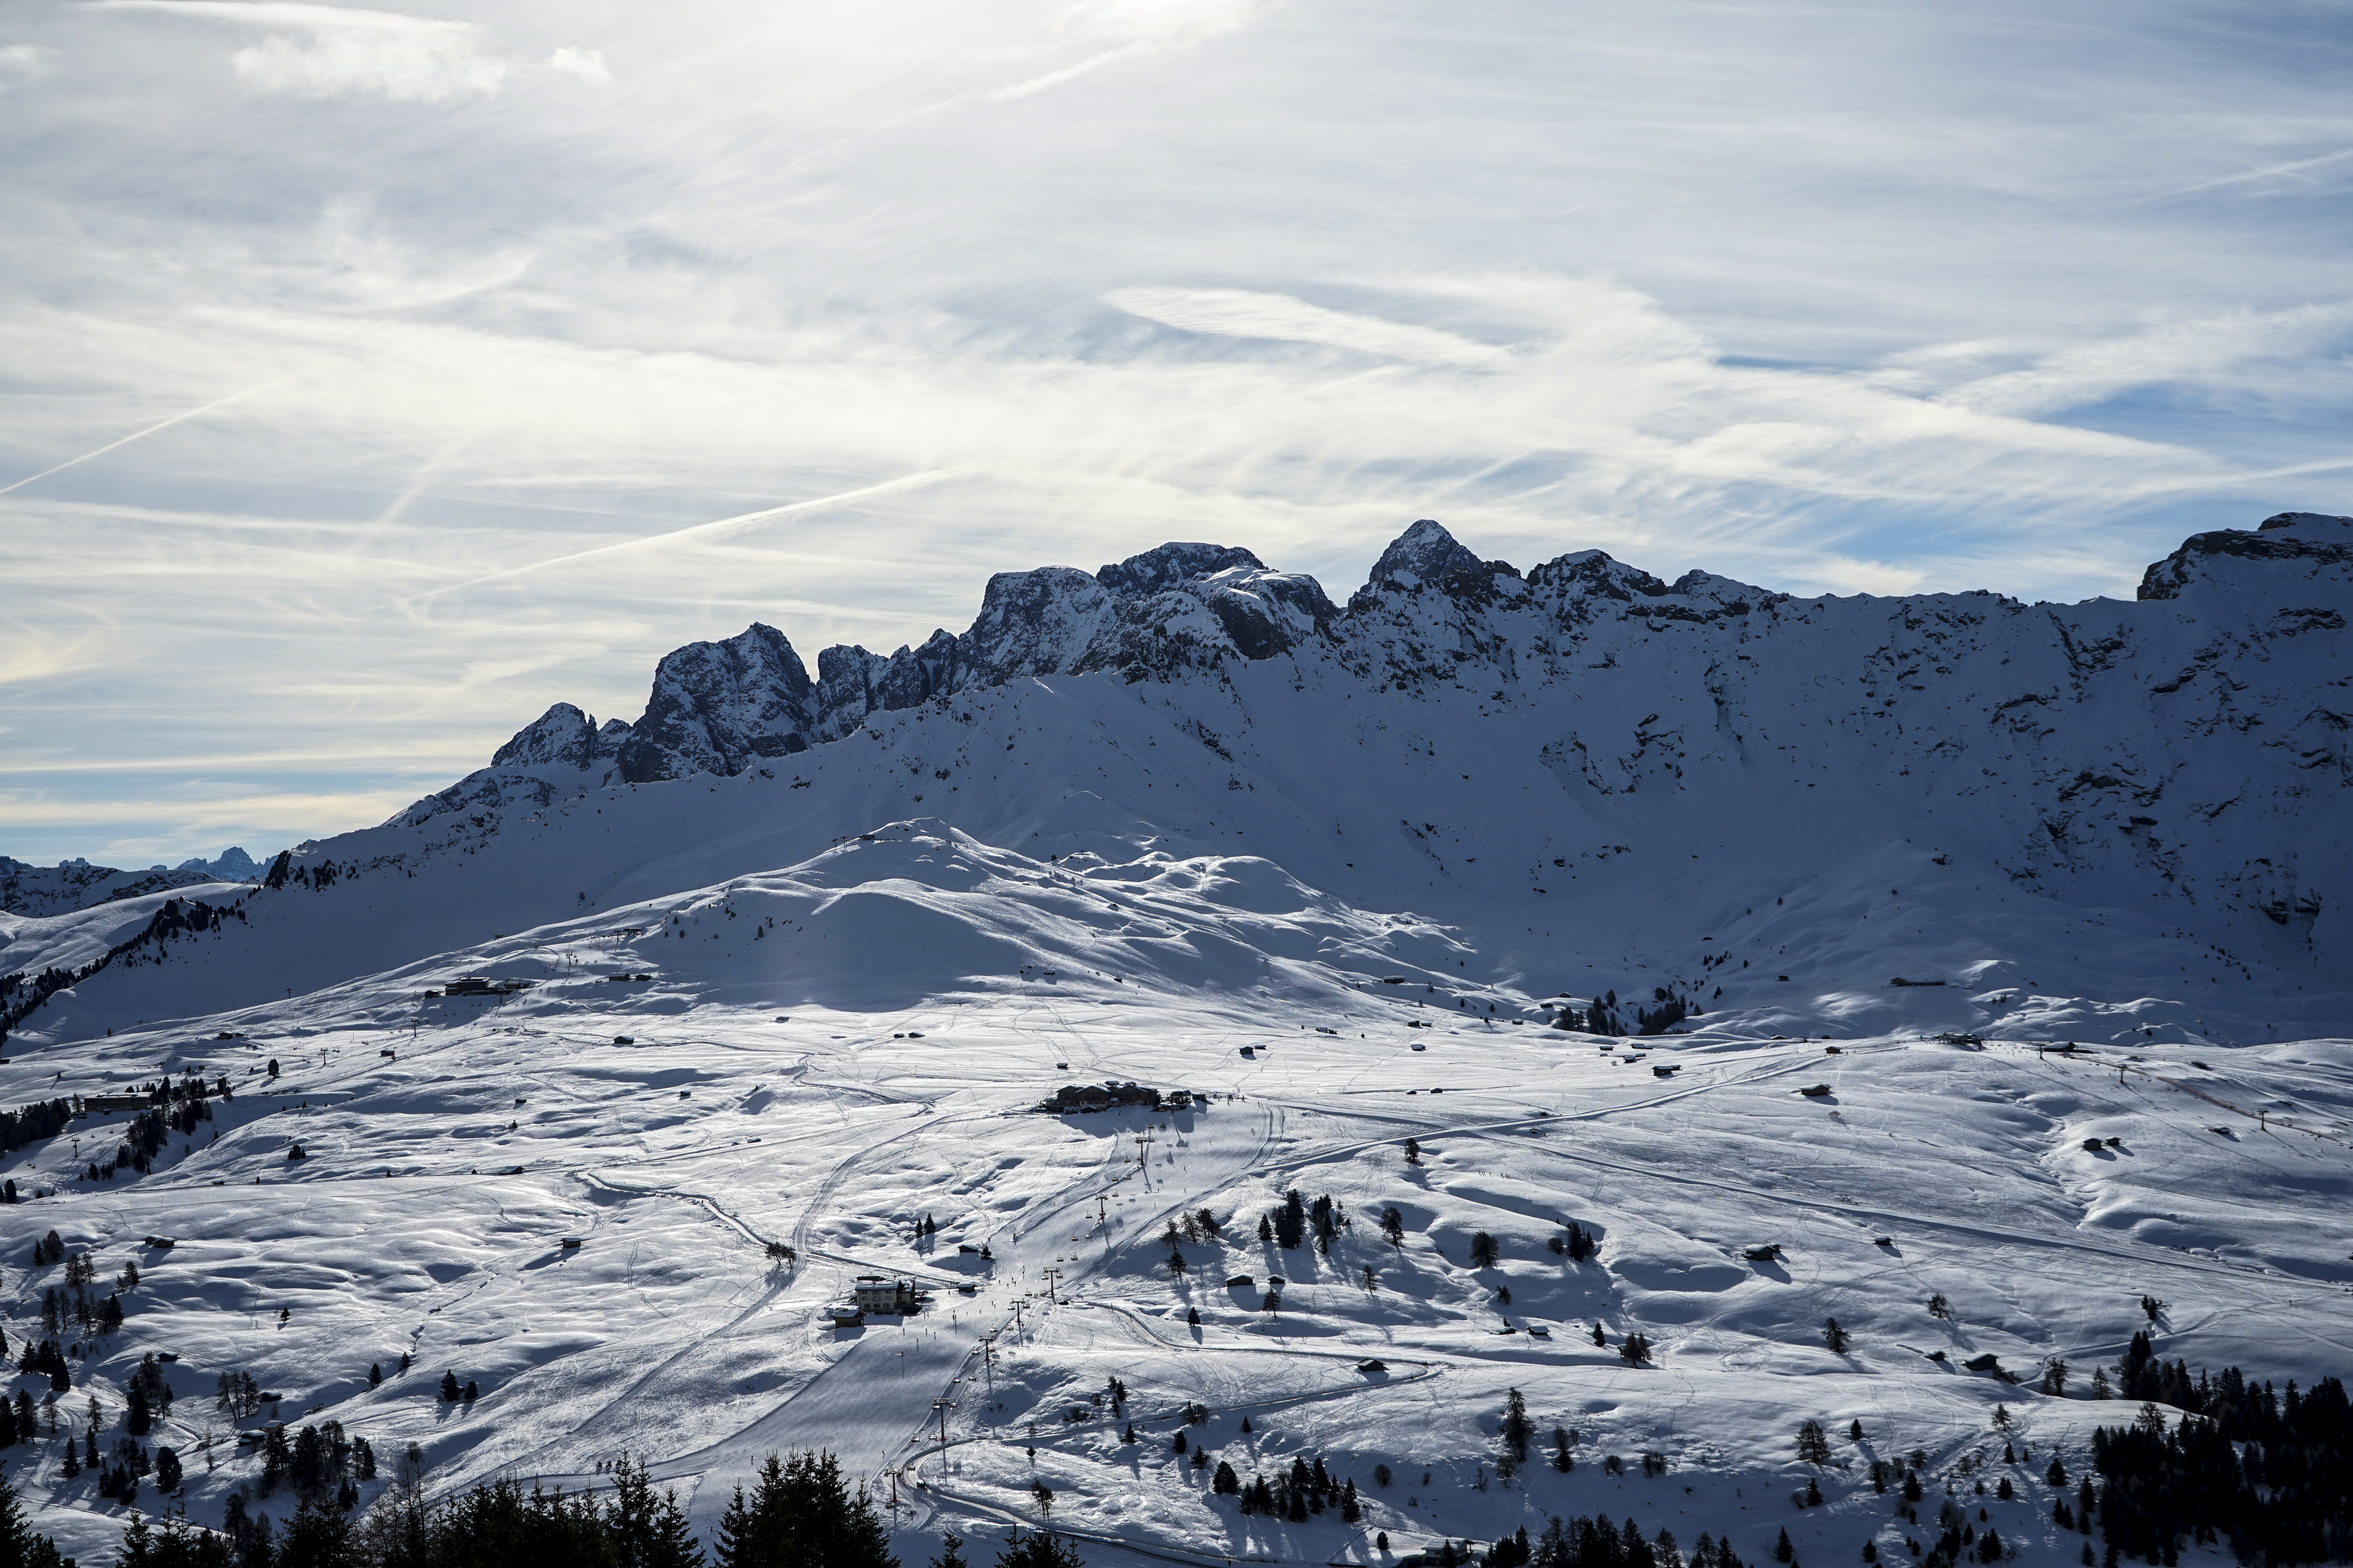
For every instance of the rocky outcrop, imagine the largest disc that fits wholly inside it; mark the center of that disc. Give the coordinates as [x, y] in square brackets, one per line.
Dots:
[716, 707]
[562, 737]
[724, 707]
[2315, 541]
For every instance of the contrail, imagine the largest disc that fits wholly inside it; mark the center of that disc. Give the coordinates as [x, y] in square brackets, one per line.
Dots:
[744, 519]
[136, 434]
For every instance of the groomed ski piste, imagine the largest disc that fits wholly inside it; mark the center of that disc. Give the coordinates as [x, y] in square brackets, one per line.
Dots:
[777, 1018]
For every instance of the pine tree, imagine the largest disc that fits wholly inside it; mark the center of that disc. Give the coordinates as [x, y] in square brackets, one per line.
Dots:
[739, 1544]
[646, 1532]
[317, 1534]
[1484, 1251]
[802, 1514]
[449, 1389]
[951, 1551]
[1813, 1446]
[1517, 1428]
[1782, 1549]
[18, 1544]
[1393, 1227]
[1037, 1550]
[376, 1374]
[1413, 1156]
[1854, 1431]
[1635, 1350]
[1834, 1337]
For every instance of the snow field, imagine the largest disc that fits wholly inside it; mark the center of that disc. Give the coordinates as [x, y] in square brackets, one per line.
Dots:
[670, 1334]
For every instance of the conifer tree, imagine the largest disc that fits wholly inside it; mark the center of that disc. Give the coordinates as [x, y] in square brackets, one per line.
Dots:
[1813, 1446]
[1037, 1550]
[20, 1546]
[1834, 1337]
[1516, 1427]
[644, 1531]
[951, 1551]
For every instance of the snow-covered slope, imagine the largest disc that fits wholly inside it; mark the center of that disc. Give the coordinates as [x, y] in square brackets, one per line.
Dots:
[1131, 822]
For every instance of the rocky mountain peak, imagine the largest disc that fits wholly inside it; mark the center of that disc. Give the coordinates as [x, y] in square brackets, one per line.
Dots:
[1426, 554]
[1159, 570]
[715, 703]
[563, 736]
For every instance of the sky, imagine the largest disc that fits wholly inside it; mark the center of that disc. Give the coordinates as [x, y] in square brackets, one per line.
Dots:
[371, 379]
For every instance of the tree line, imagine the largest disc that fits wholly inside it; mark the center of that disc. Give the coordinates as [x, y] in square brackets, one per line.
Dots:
[797, 1512]
[2268, 1472]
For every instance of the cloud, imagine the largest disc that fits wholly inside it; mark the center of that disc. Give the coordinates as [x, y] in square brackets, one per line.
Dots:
[1161, 21]
[425, 64]
[332, 50]
[1244, 313]
[588, 64]
[23, 63]
[2199, 350]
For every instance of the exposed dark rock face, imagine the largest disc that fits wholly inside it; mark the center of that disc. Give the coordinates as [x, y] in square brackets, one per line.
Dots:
[563, 736]
[1173, 566]
[717, 706]
[724, 707]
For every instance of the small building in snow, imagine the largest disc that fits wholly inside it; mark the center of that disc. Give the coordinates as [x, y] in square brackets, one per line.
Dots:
[874, 1293]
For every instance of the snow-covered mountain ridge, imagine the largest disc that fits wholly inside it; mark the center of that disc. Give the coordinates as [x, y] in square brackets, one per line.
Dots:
[2185, 756]
[1465, 742]
[30, 889]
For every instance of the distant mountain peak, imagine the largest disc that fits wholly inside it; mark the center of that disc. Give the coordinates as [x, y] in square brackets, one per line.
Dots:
[1156, 570]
